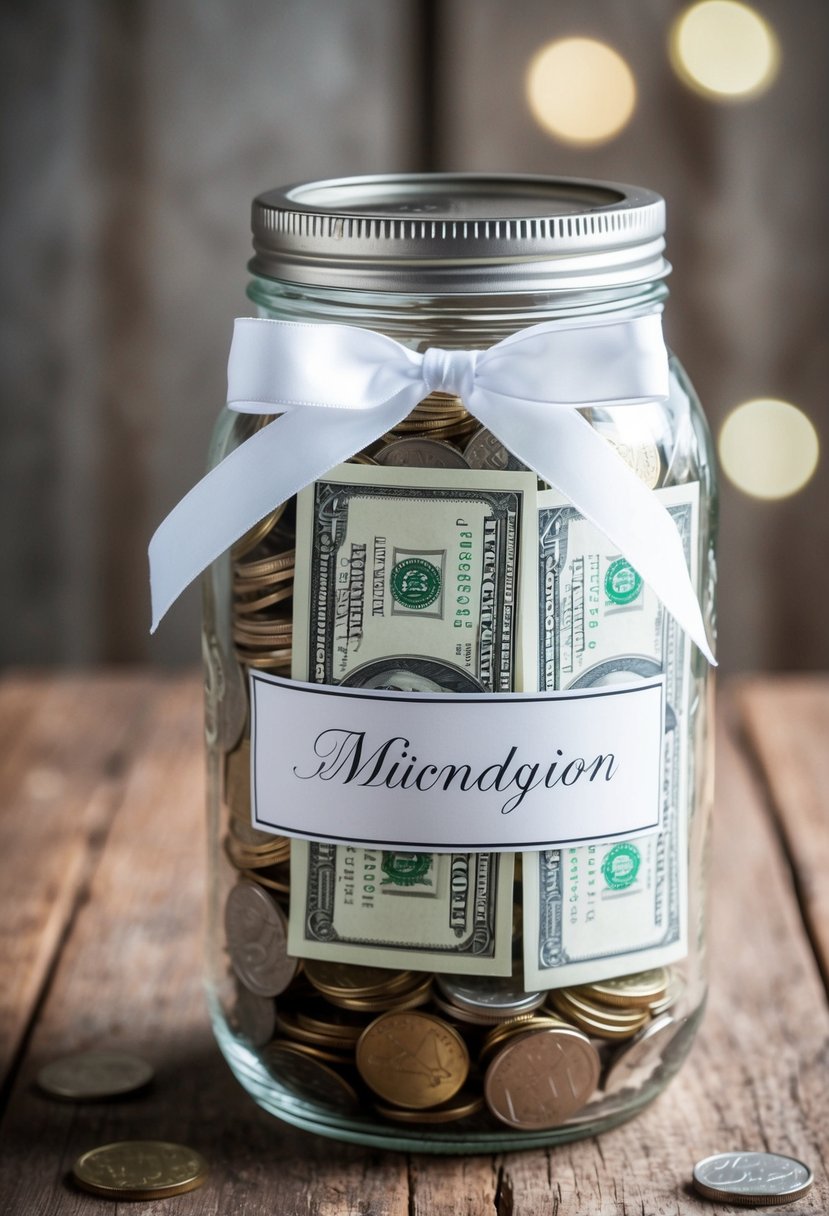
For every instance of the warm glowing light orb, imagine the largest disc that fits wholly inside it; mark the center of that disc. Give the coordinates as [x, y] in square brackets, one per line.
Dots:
[724, 49]
[580, 90]
[768, 448]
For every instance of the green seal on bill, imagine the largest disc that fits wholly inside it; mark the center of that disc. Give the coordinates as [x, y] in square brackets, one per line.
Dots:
[406, 869]
[415, 583]
[621, 583]
[621, 865]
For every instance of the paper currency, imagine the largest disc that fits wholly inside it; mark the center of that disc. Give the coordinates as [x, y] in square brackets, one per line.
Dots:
[411, 579]
[605, 909]
[423, 911]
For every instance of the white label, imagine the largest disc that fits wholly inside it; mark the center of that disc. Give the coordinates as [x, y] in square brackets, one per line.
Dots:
[454, 772]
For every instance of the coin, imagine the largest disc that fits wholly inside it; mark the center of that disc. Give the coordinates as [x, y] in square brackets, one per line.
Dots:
[257, 940]
[313, 1051]
[484, 451]
[237, 780]
[594, 1020]
[346, 979]
[412, 1059]
[422, 453]
[91, 1075]
[459, 1014]
[406, 998]
[752, 1179]
[258, 532]
[640, 1058]
[254, 1016]
[541, 1078]
[140, 1169]
[642, 988]
[310, 1080]
[462, 1106]
[495, 996]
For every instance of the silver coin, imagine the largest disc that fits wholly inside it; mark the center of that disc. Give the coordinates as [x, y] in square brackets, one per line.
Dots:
[752, 1179]
[254, 1017]
[484, 451]
[92, 1075]
[638, 1060]
[257, 940]
[422, 454]
[496, 996]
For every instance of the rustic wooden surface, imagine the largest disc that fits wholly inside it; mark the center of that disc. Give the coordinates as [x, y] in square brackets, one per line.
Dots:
[101, 878]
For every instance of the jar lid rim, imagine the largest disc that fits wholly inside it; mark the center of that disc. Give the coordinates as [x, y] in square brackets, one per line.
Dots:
[459, 232]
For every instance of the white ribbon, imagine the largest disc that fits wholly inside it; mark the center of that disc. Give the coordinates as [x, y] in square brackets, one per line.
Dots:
[339, 388]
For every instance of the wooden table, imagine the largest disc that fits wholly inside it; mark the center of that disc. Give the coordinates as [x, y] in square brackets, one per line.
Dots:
[101, 880]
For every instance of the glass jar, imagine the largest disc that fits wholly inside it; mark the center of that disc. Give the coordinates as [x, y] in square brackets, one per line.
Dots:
[461, 263]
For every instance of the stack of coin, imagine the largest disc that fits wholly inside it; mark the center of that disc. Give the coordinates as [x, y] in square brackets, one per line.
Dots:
[439, 416]
[484, 1001]
[263, 585]
[368, 989]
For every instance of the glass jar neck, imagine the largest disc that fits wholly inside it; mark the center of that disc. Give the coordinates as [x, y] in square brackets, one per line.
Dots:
[447, 320]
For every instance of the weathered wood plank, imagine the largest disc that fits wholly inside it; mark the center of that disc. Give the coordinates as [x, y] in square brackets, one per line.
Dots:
[787, 724]
[66, 749]
[130, 976]
[756, 1076]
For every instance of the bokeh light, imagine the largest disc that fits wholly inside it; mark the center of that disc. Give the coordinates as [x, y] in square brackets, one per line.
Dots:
[580, 90]
[724, 49]
[768, 448]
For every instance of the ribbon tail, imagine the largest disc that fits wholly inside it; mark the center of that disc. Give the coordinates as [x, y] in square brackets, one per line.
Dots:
[566, 451]
[263, 472]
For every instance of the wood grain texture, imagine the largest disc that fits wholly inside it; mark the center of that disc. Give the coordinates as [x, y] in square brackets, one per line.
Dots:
[127, 974]
[787, 725]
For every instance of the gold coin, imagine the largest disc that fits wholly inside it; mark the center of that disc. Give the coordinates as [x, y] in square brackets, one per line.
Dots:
[640, 989]
[265, 566]
[310, 1080]
[412, 1059]
[597, 1026]
[673, 993]
[408, 998]
[90, 1076]
[348, 979]
[462, 1106]
[264, 662]
[564, 999]
[312, 1051]
[140, 1169]
[258, 532]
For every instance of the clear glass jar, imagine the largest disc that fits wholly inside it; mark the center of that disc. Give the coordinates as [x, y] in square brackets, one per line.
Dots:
[294, 1052]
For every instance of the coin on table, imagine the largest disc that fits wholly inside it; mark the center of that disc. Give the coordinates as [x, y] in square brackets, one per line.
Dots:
[309, 1079]
[752, 1179]
[412, 1059]
[493, 996]
[92, 1075]
[640, 989]
[422, 454]
[484, 451]
[257, 940]
[541, 1078]
[140, 1169]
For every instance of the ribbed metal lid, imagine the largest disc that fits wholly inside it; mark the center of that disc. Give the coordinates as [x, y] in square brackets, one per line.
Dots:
[459, 232]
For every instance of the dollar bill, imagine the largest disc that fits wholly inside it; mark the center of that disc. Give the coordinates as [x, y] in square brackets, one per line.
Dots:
[411, 580]
[610, 908]
[418, 911]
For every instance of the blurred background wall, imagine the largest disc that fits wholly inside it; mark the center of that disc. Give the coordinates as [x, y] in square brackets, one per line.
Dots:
[135, 132]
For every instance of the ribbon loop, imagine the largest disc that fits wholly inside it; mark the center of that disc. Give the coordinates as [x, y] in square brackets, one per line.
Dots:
[339, 388]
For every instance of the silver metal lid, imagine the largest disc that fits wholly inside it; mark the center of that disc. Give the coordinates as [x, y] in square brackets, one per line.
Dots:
[459, 232]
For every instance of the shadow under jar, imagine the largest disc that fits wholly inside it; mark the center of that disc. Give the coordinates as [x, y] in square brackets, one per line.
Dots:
[379, 1035]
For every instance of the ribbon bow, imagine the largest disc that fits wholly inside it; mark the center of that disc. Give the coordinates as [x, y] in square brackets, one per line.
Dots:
[339, 388]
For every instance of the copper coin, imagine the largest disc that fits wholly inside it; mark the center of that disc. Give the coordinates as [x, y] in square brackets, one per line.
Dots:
[412, 1059]
[348, 979]
[541, 1078]
[257, 940]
